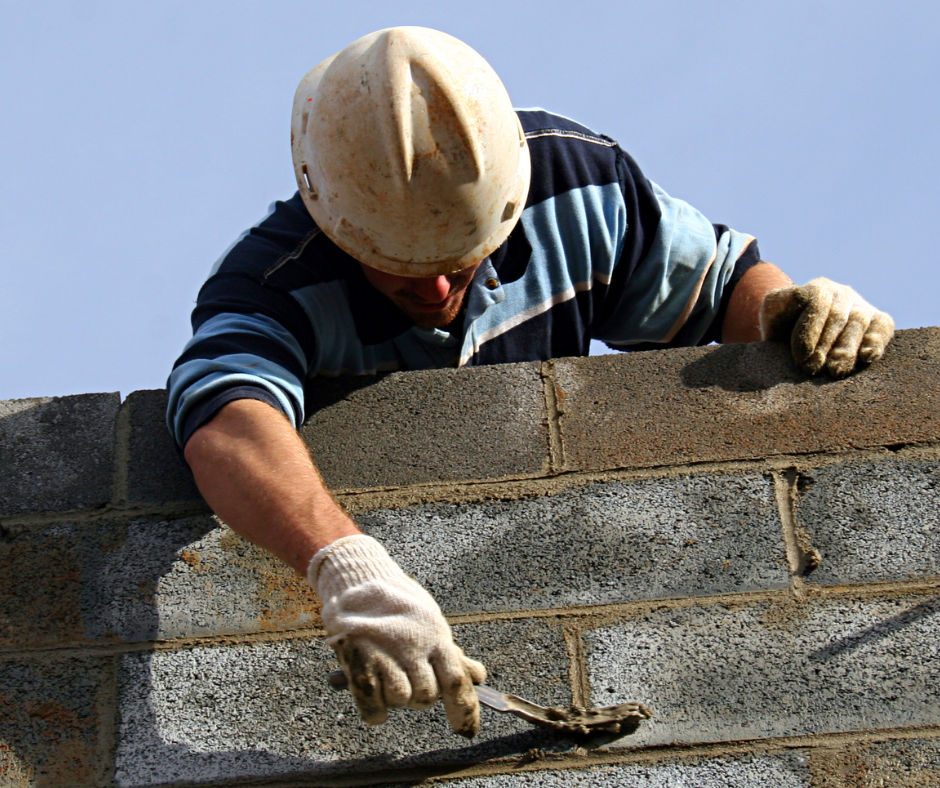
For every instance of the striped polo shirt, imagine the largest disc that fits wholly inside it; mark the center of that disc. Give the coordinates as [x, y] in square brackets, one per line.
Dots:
[599, 252]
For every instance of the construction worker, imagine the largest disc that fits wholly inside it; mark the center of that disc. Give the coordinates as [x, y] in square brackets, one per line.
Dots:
[435, 226]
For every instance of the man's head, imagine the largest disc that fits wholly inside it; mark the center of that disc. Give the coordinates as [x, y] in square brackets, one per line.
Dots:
[410, 158]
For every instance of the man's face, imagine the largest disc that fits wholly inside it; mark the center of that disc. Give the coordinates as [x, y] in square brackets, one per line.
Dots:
[430, 301]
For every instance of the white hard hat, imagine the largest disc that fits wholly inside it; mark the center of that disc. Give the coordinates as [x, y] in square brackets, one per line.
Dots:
[408, 153]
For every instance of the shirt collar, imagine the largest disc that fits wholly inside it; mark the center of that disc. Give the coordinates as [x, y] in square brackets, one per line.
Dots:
[485, 290]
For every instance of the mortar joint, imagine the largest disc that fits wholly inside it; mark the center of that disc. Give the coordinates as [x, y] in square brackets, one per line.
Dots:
[554, 411]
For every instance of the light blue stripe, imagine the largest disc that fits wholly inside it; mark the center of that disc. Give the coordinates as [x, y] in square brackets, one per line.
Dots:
[192, 382]
[234, 324]
[665, 281]
[576, 238]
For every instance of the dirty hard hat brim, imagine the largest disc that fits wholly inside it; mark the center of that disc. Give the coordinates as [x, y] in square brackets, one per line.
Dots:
[408, 154]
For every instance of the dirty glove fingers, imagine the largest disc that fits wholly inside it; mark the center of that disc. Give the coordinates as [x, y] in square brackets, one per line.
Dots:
[843, 355]
[396, 686]
[830, 326]
[377, 685]
[477, 670]
[865, 327]
[821, 324]
[365, 683]
[460, 699]
[424, 687]
[841, 314]
[879, 333]
[389, 634]
[369, 701]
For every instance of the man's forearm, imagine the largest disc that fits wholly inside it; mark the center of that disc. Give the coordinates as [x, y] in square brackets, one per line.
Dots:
[256, 474]
[742, 320]
[389, 634]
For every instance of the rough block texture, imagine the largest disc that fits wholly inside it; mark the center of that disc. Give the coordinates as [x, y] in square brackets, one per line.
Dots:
[156, 473]
[41, 586]
[725, 672]
[50, 722]
[190, 577]
[435, 426]
[900, 763]
[632, 527]
[779, 771]
[742, 401]
[209, 714]
[57, 453]
[873, 521]
[601, 544]
[142, 580]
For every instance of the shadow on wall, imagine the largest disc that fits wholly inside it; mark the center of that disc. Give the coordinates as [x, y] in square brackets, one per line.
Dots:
[233, 708]
[263, 711]
[751, 367]
[245, 708]
[57, 453]
[226, 710]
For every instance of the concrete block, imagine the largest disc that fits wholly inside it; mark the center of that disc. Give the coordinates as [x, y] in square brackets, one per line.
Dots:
[873, 521]
[434, 426]
[600, 544]
[911, 763]
[741, 402]
[264, 710]
[120, 581]
[787, 770]
[187, 578]
[49, 722]
[57, 453]
[156, 472]
[782, 668]
[901, 762]
[40, 587]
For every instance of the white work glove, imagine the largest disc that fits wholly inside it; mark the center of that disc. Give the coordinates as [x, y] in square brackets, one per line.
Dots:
[390, 636]
[828, 326]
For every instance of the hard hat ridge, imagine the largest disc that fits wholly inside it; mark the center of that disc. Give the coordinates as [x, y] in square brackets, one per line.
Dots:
[408, 153]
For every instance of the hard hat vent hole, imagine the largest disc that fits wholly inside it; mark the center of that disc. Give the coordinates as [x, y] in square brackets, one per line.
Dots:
[303, 122]
[509, 211]
[310, 190]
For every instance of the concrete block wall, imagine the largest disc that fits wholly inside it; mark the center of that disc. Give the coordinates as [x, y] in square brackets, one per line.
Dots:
[751, 553]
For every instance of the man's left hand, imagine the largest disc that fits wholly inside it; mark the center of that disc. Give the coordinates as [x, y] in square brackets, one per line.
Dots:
[828, 326]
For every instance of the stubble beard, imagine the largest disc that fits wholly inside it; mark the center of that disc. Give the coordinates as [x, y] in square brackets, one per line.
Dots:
[437, 319]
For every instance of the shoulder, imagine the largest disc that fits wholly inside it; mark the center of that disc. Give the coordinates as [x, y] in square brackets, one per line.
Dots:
[286, 250]
[566, 155]
[538, 123]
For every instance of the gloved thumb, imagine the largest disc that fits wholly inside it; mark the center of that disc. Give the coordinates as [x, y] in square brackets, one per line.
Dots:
[780, 311]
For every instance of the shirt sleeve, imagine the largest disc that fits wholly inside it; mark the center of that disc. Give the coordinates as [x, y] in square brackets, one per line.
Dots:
[251, 340]
[677, 270]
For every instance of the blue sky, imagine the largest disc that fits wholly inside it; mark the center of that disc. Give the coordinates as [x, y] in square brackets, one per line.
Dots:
[138, 140]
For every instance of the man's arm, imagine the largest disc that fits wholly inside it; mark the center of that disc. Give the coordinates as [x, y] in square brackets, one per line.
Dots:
[387, 631]
[255, 472]
[829, 326]
[742, 320]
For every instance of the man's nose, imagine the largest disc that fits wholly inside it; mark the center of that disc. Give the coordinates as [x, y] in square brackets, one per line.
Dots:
[432, 289]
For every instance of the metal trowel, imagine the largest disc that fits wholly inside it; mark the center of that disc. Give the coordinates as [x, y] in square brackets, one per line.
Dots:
[612, 720]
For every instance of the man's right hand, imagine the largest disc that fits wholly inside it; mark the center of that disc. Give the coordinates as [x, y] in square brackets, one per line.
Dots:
[390, 636]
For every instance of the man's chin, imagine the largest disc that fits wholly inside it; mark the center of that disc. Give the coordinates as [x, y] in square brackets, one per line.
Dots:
[436, 319]
[430, 319]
